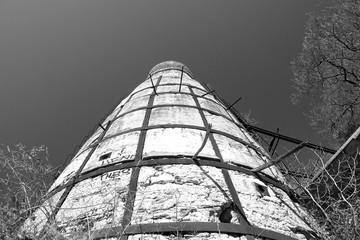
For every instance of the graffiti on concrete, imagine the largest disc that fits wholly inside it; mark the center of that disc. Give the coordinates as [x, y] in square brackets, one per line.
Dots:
[114, 174]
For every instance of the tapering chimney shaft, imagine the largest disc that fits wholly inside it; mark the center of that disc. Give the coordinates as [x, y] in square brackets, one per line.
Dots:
[170, 162]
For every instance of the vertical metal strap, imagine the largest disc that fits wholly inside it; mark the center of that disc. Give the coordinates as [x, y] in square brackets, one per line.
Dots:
[181, 77]
[229, 183]
[130, 198]
[152, 84]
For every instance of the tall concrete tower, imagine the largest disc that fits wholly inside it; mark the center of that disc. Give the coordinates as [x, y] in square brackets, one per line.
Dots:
[171, 161]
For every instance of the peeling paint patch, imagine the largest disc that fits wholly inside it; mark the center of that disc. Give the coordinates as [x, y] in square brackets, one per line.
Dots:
[170, 80]
[220, 123]
[175, 115]
[174, 98]
[135, 104]
[143, 93]
[128, 121]
[169, 74]
[172, 89]
[210, 105]
[145, 84]
[193, 83]
[176, 141]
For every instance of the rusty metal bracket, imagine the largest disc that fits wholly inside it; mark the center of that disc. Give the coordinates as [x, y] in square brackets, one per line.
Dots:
[233, 103]
[252, 128]
[101, 126]
[279, 159]
[289, 139]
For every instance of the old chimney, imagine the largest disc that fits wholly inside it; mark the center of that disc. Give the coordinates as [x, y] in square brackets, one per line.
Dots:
[171, 161]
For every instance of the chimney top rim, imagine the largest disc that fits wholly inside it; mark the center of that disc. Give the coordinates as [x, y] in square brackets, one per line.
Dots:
[168, 65]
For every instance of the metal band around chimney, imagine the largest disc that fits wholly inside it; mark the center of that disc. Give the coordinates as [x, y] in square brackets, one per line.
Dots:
[250, 145]
[171, 160]
[188, 228]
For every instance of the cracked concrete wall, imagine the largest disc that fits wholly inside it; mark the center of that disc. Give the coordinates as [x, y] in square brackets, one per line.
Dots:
[169, 122]
[176, 193]
[95, 203]
[273, 210]
[189, 193]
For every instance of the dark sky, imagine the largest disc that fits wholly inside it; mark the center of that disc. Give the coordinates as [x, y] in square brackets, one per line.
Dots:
[64, 64]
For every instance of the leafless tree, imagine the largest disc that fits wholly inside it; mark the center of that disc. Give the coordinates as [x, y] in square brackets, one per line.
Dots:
[25, 176]
[333, 196]
[327, 70]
